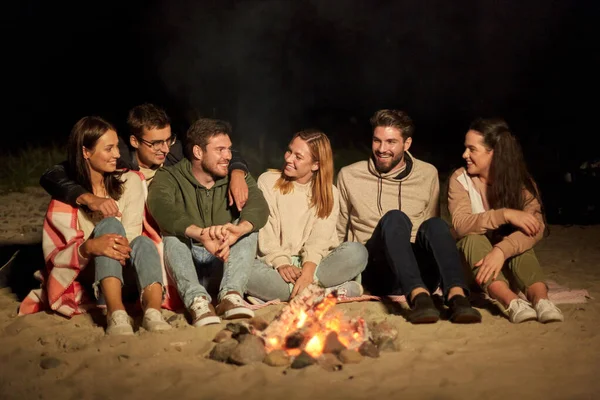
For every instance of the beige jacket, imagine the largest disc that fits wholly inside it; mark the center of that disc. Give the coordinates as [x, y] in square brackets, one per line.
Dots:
[293, 228]
[366, 195]
[471, 214]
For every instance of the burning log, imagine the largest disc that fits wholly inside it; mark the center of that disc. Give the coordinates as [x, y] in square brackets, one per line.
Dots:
[307, 320]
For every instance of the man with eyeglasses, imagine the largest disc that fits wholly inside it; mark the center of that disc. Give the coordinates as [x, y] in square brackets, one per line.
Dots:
[152, 145]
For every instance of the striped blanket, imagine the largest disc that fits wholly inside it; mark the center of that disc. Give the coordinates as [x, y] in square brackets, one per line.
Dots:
[60, 291]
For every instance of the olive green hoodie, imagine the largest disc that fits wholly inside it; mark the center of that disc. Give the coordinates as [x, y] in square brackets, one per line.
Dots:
[176, 200]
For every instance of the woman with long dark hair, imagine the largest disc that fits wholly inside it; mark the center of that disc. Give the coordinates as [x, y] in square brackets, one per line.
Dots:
[299, 243]
[82, 246]
[497, 212]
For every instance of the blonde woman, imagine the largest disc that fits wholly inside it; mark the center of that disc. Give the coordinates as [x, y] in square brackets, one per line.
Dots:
[299, 243]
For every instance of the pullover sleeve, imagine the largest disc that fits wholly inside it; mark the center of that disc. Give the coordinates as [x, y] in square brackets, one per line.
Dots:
[269, 237]
[518, 242]
[463, 220]
[345, 209]
[256, 210]
[165, 203]
[322, 238]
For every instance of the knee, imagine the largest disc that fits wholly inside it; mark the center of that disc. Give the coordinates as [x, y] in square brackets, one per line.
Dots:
[473, 241]
[173, 244]
[109, 225]
[434, 225]
[142, 243]
[395, 218]
[358, 253]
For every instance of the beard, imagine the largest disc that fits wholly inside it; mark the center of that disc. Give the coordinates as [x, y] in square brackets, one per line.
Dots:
[389, 164]
[214, 170]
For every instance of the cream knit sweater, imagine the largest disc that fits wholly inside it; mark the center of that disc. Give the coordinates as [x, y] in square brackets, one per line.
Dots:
[293, 229]
[366, 195]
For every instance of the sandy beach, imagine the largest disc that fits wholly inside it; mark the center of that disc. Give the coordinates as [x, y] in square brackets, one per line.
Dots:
[46, 356]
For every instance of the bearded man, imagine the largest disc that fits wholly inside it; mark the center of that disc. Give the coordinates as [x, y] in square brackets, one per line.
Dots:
[390, 203]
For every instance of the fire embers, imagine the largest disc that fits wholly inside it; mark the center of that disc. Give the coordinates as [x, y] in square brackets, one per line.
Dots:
[309, 330]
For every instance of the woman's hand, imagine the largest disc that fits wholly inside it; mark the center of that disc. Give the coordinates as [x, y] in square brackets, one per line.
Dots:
[289, 273]
[305, 279]
[301, 283]
[490, 266]
[238, 189]
[108, 245]
[522, 220]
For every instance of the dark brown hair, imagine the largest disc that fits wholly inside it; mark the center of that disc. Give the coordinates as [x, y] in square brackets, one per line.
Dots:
[202, 130]
[85, 133]
[395, 119]
[146, 116]
[508, 171]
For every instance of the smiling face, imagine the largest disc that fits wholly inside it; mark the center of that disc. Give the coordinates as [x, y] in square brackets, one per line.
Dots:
[147, 156]
[215, 160]
[299, 163]
[388, 148]
[477, 155]
[102, 158]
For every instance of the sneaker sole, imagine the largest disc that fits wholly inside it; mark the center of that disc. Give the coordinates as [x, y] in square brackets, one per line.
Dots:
[525, 320]
[239, 312]
[207, 321]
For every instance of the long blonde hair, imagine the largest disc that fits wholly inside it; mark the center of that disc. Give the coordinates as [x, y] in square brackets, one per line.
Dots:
[322, 179]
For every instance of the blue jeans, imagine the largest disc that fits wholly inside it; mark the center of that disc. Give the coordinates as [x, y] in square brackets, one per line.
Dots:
[144, 259]
[344, 263]
[396, 266]
[187, 262]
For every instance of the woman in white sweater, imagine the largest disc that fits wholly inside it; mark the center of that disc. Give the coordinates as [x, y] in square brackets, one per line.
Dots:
[299, 244]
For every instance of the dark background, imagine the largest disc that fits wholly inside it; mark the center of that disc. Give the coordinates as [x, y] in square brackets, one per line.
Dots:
[274, 67]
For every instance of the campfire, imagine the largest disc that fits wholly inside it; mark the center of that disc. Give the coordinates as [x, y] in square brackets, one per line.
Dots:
[310, 322]
[309, 330]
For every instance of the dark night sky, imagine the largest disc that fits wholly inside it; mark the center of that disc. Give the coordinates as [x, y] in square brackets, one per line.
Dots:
[273, 67]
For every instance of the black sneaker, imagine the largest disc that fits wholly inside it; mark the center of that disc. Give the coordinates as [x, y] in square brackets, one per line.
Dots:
[461, 311]
[423, 311]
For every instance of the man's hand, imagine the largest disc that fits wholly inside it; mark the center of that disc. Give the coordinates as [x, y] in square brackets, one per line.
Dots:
[522, 220]
[108, 207]
[238, 189]
[214, 239]
[490, 266]
[108, 245]
[235, 232]
[289, 273]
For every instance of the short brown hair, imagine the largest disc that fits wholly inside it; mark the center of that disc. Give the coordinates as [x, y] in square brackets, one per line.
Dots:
[146, 116]
[200, 132]
[394, 119]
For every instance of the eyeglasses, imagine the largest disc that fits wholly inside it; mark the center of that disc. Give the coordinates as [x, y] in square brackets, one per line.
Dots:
[158, 144]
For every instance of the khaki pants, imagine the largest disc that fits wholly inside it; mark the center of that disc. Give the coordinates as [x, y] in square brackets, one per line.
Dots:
[519, 272]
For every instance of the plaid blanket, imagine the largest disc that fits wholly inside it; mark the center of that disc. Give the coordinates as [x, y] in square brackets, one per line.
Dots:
[61, 238]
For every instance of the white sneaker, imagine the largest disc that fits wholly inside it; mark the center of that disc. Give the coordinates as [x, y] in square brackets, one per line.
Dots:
[118, 323]
[519, 311]
[346, 289]
[548, 312]
[203, 313]
[154, 322]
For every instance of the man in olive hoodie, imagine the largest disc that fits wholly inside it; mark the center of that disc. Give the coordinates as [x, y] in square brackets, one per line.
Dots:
[189, 201]
[390, 204]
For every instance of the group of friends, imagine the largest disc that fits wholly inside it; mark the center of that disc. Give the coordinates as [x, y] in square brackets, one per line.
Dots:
[123, 213]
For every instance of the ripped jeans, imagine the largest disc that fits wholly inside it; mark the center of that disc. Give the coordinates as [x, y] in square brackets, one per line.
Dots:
[144, 259]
